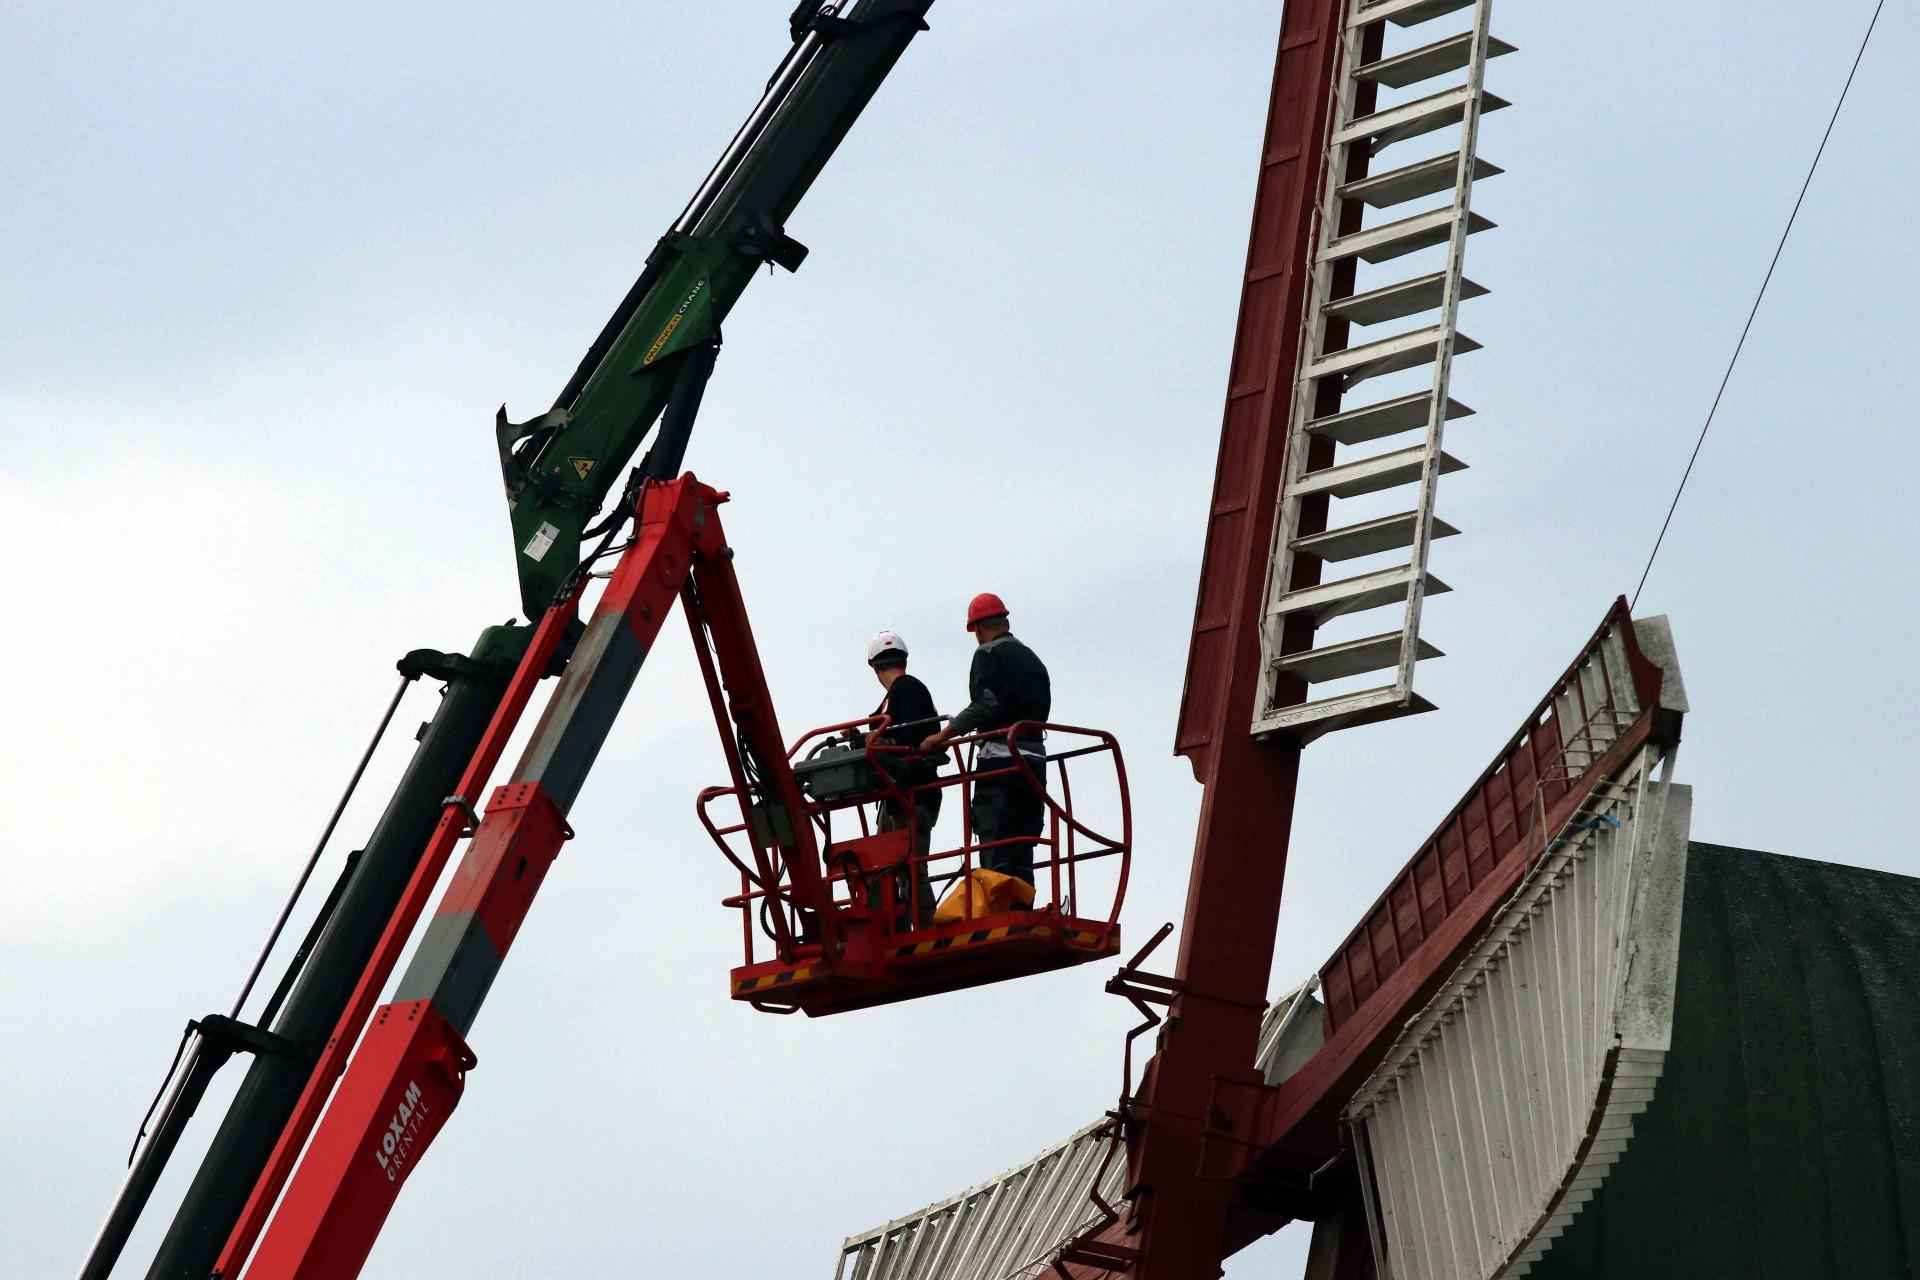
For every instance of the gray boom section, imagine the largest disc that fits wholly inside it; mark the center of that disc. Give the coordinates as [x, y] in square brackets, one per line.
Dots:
[457, 961]
[577, 720]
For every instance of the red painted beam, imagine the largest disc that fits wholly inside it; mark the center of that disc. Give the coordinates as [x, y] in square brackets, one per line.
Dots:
[1289, 1132]
[339, 1047]
[1223, 655]
[399, 1088]
[1297, 1122]
[1485, 830]
[407, 1076]
[422, 1063]
[1176, 1225]
[1304, 1109]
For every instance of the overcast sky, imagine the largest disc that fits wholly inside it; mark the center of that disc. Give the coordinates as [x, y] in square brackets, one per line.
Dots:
[268, 273]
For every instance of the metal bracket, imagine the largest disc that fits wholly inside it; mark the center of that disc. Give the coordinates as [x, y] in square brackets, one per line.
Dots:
[1229, 1120]
[819, 17]
[1084, 1246]
[442, 666]
[466, 808]
[230, 1035]
[1128, 983]
[507, 434]
[768, 241]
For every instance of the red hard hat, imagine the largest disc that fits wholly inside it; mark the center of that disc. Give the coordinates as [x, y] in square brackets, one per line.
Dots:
[983, 606]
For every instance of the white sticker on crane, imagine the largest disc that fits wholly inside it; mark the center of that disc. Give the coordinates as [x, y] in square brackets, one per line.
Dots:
[541, 541]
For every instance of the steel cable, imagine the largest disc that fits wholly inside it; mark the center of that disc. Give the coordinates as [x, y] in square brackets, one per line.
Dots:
[1755, 309]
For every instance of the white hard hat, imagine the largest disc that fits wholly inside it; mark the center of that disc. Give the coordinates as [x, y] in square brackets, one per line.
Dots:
[883, 641]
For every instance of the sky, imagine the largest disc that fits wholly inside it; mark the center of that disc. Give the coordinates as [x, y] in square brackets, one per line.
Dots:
[269, 273]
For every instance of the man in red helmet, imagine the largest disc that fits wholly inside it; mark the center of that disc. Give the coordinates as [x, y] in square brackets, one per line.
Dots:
[1008, 686]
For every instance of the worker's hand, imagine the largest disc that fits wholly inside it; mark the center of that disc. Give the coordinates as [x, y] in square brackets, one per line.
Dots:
[934, 741]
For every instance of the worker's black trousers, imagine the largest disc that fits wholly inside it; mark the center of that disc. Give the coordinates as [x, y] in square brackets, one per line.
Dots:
[893, 816]
[1006, 806]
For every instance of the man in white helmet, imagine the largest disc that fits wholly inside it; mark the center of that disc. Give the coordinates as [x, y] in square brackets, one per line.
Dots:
[912, 716]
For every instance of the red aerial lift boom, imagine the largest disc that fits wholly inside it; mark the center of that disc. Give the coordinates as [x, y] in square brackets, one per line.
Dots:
[833, 950]
[333, 1159]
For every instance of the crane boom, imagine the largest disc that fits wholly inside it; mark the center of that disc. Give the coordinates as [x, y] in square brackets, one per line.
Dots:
[398, 1088]
[560, 467]
[651, 359]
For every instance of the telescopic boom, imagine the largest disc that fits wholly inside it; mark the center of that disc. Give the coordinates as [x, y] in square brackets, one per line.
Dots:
[652, 357]
[560, 466]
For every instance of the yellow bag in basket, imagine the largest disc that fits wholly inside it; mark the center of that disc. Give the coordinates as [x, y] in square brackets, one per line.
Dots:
[983, 893]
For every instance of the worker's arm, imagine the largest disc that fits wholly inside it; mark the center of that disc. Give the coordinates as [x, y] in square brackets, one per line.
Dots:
[984, 707]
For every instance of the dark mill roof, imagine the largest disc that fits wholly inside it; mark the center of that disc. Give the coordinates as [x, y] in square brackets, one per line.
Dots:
[1784, 1138]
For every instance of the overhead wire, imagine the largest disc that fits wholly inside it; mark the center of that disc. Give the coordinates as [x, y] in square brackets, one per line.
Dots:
[1755, 309]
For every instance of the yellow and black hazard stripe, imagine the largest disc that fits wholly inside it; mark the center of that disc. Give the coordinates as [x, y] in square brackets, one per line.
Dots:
[765, 981]
[968, 939]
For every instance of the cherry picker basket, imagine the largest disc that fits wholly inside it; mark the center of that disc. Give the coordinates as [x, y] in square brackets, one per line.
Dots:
[882, 869]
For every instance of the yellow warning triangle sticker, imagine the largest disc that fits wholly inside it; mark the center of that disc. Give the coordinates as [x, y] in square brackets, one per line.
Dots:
[582, 467]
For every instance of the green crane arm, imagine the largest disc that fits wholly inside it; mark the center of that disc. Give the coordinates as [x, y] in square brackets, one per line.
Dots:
[659, 346]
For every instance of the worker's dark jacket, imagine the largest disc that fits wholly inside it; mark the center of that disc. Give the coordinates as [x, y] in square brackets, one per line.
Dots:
[913, 717]
[1008, 684]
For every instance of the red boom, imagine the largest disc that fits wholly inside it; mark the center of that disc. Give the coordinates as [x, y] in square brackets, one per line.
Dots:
[406, 1077]
[1178, 1226]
